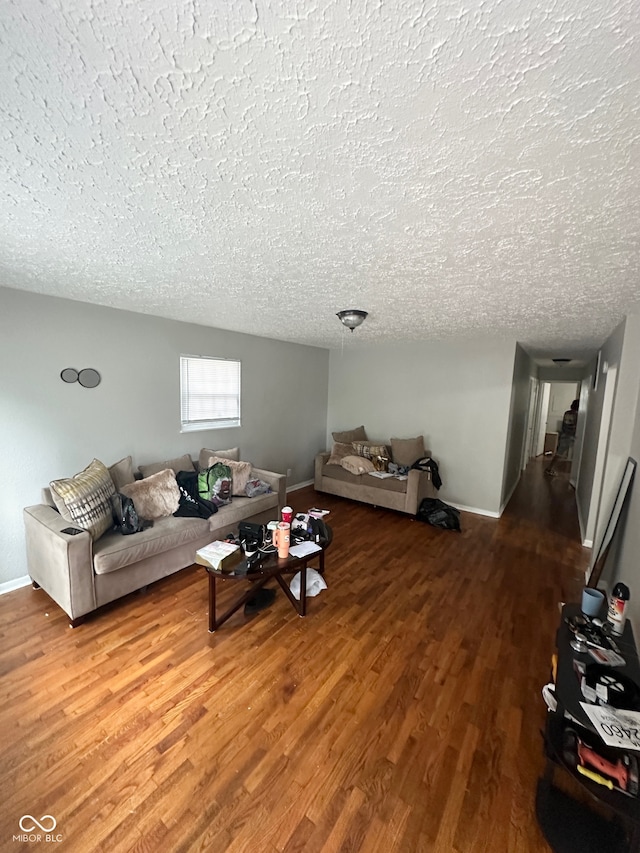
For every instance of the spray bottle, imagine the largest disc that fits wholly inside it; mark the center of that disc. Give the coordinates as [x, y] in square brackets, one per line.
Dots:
[616, 615]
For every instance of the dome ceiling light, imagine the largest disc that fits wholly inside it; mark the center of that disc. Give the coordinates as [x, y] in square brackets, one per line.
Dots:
[352, 318]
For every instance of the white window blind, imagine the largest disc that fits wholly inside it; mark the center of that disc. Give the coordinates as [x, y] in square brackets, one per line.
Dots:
[209, 393]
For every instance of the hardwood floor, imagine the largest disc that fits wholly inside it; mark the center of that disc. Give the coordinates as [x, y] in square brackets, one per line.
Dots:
[402, 714]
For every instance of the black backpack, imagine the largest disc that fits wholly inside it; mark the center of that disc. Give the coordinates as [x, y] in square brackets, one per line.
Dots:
[125, 517]
[439, 514]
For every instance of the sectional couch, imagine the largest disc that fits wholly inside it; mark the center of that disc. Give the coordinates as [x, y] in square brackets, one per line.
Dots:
[81, 572]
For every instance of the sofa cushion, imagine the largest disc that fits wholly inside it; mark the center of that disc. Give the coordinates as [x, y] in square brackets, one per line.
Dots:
[115, 551]
[389, 484]
[205, 455]
[240, 473]
[357, 464]
[85, 498]
[349, 435]
[180, 463]
[338, 452]
[122, 473]
[406, 451]
[156, 496]
[227, 518]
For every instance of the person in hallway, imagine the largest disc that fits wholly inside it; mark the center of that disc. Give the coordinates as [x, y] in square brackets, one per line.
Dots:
[566, 439]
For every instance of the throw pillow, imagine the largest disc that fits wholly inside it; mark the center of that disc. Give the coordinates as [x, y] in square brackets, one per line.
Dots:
[338, 452]
[240, 473]
[85, 499]
[180, 463]
[357, 465]
[122, 472]
[349, 435]
[215, 485]
[405, 451]
[377, 453]
[156, 496]
[205, 455]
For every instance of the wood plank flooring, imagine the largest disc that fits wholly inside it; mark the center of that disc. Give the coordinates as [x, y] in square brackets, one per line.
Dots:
[402, 715]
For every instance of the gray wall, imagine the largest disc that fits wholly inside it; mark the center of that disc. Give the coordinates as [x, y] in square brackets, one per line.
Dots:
[523, 370]
[457, 395]
[599, 457]
[49, 429]
[623, 419]
[626, 563]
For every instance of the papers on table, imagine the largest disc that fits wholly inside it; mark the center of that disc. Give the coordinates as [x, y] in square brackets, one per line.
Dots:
[615, 727]
[304, 549]
[221, 556]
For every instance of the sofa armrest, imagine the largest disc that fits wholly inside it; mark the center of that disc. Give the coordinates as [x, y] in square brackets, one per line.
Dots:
[61, 564]
[278, 483]
[419, 486]
[320, 462]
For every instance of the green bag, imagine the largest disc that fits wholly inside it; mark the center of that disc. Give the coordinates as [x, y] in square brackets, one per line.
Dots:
[214, 484]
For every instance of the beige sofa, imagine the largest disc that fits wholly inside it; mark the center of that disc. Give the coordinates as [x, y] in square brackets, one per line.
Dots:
[403, 495]
[80, 574]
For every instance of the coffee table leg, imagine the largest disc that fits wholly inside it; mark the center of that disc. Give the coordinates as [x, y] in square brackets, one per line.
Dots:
[303, 590]
[212, 602]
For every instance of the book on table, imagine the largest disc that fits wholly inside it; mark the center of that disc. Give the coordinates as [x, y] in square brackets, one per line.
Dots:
[220, 556]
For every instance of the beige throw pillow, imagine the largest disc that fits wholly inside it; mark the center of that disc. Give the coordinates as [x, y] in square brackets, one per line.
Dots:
[156, 496]
[406, 451]
[349, 435]
[85, 499]
[205, 455]
[357, 465]
[338, 452]
[122, 473]
[240, 473]
[180, 463]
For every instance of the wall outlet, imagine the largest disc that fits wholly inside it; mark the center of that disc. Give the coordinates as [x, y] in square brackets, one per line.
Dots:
[289, 472]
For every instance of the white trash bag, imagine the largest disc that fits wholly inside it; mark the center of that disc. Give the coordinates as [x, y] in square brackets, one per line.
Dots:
[315, 583]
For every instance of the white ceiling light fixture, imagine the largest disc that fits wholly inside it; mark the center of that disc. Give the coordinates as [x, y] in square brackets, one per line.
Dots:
[352, 317]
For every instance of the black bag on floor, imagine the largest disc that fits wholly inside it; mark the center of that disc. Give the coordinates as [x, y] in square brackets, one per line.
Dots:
[439, 514]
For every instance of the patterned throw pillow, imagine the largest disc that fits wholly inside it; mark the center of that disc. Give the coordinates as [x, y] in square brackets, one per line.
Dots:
[85, 499]
[377, 453]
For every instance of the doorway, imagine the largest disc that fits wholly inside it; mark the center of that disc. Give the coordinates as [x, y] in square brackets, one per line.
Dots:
[548, 401]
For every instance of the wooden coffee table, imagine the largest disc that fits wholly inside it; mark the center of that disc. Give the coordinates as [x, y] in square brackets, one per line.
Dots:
[270, 566]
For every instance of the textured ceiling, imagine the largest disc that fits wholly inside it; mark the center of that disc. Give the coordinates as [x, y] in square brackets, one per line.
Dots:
[454, 167]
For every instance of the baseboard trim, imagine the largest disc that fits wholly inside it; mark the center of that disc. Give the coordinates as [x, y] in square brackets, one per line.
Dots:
[508, 498]
[18, 583]
[477, 511]
[297, 486]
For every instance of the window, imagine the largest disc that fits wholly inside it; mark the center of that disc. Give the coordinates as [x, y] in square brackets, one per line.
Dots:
[209, 393]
